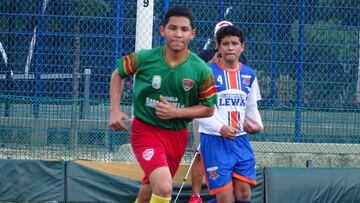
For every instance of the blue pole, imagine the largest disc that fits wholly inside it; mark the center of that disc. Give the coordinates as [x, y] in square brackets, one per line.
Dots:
[299, 70]
[166, 7]
[274, 50]
[221, 10]
[9, 81]
[118, 45]
[118, 33]
[39, 61]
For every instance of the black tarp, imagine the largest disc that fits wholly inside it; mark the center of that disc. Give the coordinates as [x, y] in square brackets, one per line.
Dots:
[317, 185]
[85, 184]
[32, 180]
[59, 181]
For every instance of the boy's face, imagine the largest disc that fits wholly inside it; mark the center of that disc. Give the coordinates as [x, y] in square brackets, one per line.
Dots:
[177, 33]
[230, 48]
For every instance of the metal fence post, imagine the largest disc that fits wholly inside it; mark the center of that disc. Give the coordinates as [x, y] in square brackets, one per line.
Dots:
[299, 71]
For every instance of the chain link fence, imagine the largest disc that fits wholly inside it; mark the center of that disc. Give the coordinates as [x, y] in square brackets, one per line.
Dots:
[58, 55]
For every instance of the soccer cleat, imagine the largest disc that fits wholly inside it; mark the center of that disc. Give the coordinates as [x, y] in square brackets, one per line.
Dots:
[195, 198]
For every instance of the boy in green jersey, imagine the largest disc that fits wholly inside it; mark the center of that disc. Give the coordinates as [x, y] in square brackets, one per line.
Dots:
[172, 86]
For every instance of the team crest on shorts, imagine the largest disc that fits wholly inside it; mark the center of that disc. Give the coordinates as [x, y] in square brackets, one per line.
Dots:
[148, 154]
[213, 172]
[187, 84]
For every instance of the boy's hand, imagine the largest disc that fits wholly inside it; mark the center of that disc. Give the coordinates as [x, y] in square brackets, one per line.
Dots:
[116, 120]
[250, 126]
[165, 110]
[216, 57]
[227, 132]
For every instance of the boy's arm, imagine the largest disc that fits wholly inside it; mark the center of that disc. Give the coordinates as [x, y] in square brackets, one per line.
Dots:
[205, 108]
[210, 124]
[253, 122]
[166, 111]
[116, 116]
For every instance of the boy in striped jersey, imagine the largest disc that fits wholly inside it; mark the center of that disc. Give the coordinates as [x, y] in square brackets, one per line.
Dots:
[228, 158]
[209, 56]
[172, 86]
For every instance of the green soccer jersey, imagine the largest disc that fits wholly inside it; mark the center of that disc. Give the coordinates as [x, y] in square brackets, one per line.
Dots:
[188, 84]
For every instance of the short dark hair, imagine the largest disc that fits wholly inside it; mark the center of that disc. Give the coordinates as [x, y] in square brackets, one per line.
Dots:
[229, 31]
[179, 12]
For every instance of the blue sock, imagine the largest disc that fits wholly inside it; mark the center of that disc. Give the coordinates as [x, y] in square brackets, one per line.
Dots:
[212, 201]
[239, 201]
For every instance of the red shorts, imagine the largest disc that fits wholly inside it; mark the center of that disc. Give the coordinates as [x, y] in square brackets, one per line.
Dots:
[155, 147]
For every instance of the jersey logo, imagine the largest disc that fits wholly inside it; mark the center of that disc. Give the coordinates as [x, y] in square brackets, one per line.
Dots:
[213, 172]
[148, 154]
[246, 79]
[156, 82]
[187, 84]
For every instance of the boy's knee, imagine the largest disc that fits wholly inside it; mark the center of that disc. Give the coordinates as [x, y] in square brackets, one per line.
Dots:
[164, 189]
[244, 195]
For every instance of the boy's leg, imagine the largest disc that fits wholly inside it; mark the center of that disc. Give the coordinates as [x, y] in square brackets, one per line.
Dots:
[225, 196]
[218, 160]
[160, 188]
[161, 182]
[159, 153]
[144, 194]
[242, 190]
[196, 175]
[196, 180]
[244, 176]
[196, 169]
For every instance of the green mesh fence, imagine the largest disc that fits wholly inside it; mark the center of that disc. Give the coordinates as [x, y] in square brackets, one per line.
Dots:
[57, 57]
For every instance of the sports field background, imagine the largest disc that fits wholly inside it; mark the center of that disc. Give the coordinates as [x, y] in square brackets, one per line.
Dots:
[58, 55]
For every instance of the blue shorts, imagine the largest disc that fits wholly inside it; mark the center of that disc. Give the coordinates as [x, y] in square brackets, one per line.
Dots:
[224, 159]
